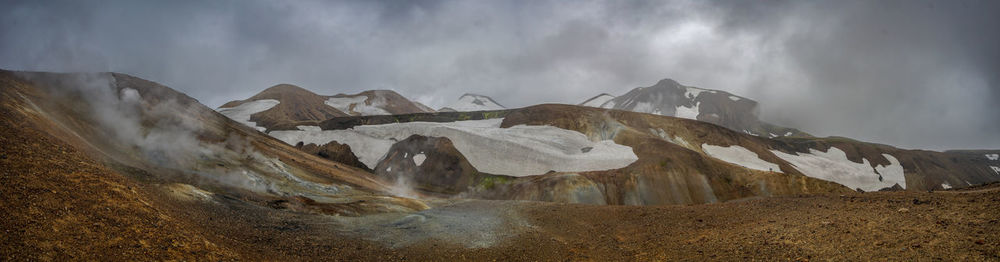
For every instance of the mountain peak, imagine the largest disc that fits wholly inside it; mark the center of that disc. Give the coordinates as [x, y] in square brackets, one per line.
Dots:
[481, 100]
[598, 101]
[473, 102]
[668, 81]
[281, 89]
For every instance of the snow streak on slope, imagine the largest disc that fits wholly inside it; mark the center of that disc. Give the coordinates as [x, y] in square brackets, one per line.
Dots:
[515, 151]
[241, 113]
[357, 104]
[740, 156]
[834, 166]
[598, 100]
[472, 102]
[993, 157]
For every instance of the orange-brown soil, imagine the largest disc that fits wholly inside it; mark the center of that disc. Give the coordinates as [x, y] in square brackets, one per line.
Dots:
[61, 205]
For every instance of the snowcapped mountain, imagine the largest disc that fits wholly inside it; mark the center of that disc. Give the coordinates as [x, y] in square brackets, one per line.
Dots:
[598, 100]
[376, 102]
[476, 139]
[286, 104]
[473, 102]
[279, 104]
[162, 158]
[670, 98]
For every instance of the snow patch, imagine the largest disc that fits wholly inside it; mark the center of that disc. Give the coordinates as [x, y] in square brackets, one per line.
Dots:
[643, 107]
[242, 112]
[945, 186]
[993, 157]
[344, 104]
[419, 159]
[309, 128]
[734, 98]
[996, 169]
[516, 151]
[688, 112]
[789, 133]
[740, 156]
[834, 166]
[693, 92]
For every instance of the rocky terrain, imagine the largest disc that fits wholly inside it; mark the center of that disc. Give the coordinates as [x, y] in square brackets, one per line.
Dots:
[107, 166]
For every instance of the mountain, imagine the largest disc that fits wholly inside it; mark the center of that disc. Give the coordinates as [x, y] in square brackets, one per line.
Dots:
[107, 166]
[376, 102]
[110, 166]
[286, 104]
[279, 104]
[590, 155]
[472, 102]
[598, 100]
[670, 98]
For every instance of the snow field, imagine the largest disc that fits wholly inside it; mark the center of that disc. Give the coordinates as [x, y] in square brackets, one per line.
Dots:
[515, 151]
[241, 113]
[834, 166]
[740, 156]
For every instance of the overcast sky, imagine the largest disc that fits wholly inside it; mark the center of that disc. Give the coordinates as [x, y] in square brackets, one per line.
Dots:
[914, 74]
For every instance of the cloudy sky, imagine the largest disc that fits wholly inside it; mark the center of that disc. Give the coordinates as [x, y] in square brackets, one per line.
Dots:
[916, 74]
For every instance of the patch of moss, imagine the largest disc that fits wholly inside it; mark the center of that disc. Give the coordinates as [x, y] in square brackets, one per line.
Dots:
[490, 181]
[492, 114]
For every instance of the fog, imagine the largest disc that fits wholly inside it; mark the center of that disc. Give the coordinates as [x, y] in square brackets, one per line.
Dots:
[915, 74]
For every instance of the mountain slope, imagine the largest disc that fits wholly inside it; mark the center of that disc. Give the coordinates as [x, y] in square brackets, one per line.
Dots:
[679, 160]
[112, 167]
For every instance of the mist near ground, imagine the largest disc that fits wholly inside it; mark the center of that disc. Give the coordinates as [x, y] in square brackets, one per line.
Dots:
[915, 74]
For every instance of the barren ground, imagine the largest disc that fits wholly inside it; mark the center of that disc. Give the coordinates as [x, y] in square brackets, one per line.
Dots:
[60, 204]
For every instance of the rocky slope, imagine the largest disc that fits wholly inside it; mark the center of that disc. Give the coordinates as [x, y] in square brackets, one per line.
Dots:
[112, 167]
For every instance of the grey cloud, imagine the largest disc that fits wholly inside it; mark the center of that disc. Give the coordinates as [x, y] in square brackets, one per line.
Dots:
[908, 73]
